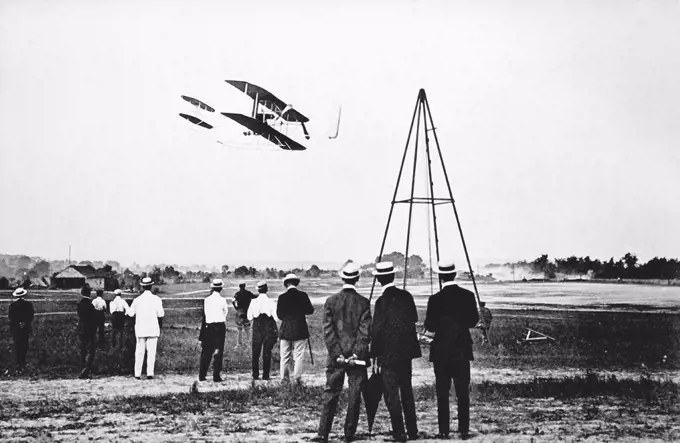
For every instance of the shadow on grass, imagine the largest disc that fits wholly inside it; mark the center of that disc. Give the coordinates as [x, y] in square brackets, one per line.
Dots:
[661, 392]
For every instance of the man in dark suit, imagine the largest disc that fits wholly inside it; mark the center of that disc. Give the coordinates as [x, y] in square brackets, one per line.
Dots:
[451, 313]
[292, 308]
[346, 327]
[241, 302]
[20, 318]
[394, 343]
[87, 330]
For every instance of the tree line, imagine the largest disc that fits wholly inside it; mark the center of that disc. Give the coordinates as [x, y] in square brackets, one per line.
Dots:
[626, 267]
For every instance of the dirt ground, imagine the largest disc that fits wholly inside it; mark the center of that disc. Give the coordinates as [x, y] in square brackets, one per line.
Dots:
[517, 419]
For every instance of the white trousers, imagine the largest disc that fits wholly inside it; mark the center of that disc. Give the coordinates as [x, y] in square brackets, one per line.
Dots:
[292, 351]
[148, 345]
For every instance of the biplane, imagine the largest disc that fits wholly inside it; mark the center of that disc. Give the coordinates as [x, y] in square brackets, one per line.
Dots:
[270, 117]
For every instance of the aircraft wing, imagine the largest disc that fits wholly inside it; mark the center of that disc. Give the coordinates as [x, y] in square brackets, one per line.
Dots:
[266, 131]
[198, 103]
[268, 100]
[196, 121]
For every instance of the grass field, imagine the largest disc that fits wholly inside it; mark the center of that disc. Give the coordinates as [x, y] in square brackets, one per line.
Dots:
[610, 374]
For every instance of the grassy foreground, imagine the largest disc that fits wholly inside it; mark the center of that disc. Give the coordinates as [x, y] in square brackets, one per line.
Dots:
[585, 340]
[602, 408]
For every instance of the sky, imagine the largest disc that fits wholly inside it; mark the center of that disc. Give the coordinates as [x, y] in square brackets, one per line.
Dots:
[557, 122]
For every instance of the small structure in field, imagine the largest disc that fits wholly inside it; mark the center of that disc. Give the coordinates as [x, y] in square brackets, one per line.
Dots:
[75, 276]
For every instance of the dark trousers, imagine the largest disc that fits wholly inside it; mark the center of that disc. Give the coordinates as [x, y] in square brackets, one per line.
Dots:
[101, 319]
[459, 372]
[262, 345]
[213, 346]
[335, 378]
[21, 346]
[87, 348]
[117, 328]
[397, 378]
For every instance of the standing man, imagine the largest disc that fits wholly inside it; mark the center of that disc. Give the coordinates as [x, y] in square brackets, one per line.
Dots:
[148, 310]
[262, 312]
[100, 307]
[241, 302]
[451, 313]
[485, 324]
[215, 311]
[346, 326]
[118, 308]
[292, 307]
[394, 343]
[20, 318]
[87, 330]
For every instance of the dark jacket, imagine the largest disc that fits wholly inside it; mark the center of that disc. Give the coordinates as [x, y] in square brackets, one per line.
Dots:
[346, 325]
[242, 301]
[20, 316]
[292, 307]
[87, 315]
[393, 333]
[451, 313]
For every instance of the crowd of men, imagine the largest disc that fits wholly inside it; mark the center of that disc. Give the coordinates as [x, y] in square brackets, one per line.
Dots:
[355, 340]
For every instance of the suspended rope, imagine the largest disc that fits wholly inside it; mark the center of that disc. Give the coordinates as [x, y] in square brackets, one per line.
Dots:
[428, 180]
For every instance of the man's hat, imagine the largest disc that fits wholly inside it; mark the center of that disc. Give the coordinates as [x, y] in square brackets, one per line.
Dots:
[217, 283]
[19, 292]
[242, 283]
[446, 267]
[349, 272]
[146, 281]
[117, 292]
[291, 278]
[261, 284]
[384, 268]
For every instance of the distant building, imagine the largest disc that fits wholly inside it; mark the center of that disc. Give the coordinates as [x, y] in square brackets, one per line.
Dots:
[75, 276]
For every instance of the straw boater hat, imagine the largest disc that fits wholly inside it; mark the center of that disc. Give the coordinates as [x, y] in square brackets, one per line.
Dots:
[217, 283]
[19, 292]
[261, 284]
[146, 281]
[349, 272]
[384, 268]
[117, 292]
[242, 283]
[446, 267]
[291, 278]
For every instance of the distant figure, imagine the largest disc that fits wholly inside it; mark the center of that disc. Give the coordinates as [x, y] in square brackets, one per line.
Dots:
[20, 318]
[100, 306]
[394, 343]
[118, 308]
[450, 314]
[262, 312]
[485, 324]
[215, 314]
[292, 308]
[346, 326]
[241, 302]
[147, 309]
[87, 331]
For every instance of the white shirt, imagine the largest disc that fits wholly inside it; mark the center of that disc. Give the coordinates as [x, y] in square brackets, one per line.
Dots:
[118, 305]
[215, 308]
[262, 305]
[99, 304]
[148, 308]
[348, 286]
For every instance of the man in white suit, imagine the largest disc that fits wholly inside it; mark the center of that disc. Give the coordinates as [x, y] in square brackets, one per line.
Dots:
[148, 310]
